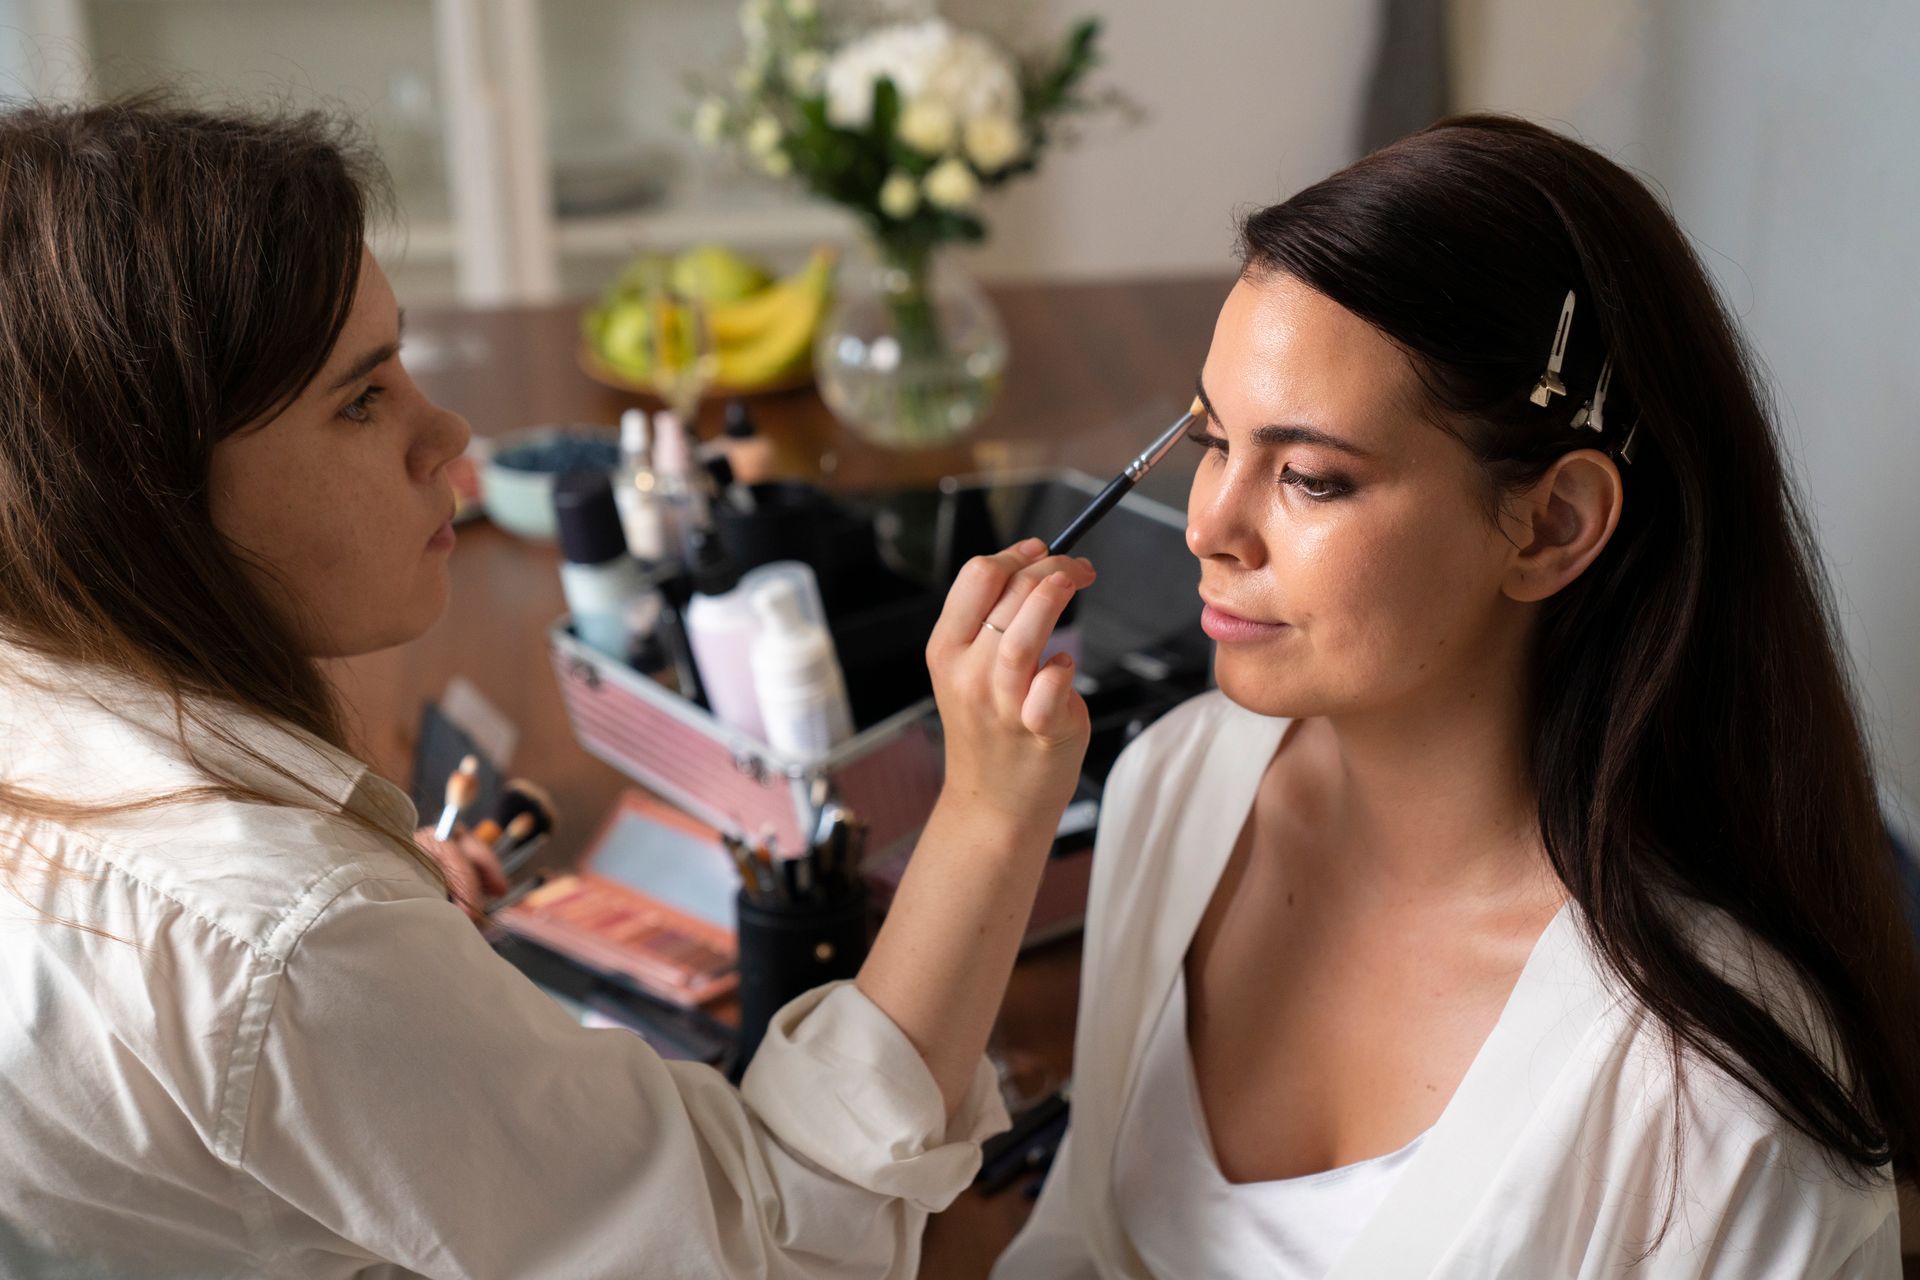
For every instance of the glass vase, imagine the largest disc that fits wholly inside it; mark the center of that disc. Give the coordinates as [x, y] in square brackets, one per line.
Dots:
[912, 353]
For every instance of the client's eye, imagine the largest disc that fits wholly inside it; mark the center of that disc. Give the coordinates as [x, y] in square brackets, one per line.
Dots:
[1198, 434]
[1318, 488]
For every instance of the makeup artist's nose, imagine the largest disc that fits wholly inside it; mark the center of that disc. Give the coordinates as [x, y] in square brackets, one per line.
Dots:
[1223, 519]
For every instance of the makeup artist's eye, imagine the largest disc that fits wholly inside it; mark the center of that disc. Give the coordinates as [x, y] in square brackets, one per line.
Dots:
[1317, 488]
[360, 408]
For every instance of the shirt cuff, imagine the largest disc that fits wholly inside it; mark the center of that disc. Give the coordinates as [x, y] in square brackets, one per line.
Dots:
[840, 1085]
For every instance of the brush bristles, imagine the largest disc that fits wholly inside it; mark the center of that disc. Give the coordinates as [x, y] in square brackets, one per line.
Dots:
[523, 797]
[463, 784]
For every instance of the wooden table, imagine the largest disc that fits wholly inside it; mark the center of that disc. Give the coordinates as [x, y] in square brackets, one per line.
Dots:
[1096, 369]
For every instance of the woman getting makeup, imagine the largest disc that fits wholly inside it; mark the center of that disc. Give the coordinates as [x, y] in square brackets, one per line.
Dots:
[242, 1029]
[1518, 904]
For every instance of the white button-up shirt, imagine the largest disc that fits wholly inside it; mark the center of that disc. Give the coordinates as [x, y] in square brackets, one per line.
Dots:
[242, 1039]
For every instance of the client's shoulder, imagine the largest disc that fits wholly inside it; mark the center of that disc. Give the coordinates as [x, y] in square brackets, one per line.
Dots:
[1187, 778]
[1172, 753]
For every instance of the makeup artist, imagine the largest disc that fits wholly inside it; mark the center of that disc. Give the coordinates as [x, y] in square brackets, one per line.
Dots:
[242, 1029]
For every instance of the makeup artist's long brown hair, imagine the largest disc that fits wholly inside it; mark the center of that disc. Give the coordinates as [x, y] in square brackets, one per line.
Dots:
[167, 276]
[1694, 724]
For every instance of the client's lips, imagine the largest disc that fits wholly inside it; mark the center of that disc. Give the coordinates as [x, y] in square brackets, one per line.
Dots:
[1227, 627]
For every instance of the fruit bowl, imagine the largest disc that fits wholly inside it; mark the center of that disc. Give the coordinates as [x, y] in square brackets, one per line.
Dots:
[607, 376]
[708, 304]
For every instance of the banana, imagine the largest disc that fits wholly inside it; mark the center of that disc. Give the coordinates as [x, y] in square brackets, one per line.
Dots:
[744, 323]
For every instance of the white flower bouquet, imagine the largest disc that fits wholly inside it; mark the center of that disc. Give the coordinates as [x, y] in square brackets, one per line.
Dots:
[906, 122]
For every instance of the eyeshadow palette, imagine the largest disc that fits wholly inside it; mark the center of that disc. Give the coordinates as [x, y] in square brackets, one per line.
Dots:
[615, 929]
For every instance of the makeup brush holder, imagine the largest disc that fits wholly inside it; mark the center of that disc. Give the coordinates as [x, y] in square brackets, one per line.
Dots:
[786, 951]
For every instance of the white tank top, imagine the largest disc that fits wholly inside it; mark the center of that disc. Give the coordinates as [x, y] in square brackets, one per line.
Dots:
[1184, 1217]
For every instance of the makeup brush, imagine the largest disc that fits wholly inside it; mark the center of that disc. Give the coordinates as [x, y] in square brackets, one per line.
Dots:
[519, 891]
[463, 788]
[1123, 483]
[518, 844]
[517, 832]
[518, 797]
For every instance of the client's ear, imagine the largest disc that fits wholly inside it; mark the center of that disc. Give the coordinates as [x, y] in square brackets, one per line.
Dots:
[1560, 523]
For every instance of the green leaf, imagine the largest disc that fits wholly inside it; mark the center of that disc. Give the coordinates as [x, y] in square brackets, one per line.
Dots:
[886, 111]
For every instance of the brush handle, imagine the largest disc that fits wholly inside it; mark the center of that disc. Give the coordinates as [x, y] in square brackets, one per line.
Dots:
[1107, 500]
[521, 854]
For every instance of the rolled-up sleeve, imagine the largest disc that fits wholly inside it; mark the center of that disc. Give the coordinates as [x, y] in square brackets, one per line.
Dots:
[416, 1101]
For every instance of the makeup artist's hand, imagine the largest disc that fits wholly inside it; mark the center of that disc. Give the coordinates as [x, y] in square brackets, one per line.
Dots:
[1016, 732]
[473, 871]
[1016, 736]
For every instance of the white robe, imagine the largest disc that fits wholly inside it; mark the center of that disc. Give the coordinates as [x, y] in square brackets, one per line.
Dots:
[275, 1049]
[1552, 1157]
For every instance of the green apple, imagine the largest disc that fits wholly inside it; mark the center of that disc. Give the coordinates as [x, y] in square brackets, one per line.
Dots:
[713, 273]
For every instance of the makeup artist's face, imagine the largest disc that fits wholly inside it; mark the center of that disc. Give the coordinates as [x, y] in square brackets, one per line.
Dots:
[1347, 560]
[341, 503]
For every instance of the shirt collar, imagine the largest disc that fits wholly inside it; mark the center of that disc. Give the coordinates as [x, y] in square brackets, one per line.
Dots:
[94, 734]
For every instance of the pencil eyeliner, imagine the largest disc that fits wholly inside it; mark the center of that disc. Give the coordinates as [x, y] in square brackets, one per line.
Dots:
[1123, 483]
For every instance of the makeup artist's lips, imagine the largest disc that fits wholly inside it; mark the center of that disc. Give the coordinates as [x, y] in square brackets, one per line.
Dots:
[1231, 628]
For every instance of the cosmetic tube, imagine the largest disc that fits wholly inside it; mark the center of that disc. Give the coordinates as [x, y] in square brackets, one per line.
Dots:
[611, 598]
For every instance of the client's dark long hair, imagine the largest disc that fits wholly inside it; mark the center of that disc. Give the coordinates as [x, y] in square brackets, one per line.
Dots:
[1695, 728]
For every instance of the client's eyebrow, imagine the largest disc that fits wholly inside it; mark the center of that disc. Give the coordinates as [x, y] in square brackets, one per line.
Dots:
[1278, 433]
[373, 359]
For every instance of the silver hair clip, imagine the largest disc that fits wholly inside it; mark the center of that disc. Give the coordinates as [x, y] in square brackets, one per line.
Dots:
[1550, 385]
[1625, 453]
[1589, 413]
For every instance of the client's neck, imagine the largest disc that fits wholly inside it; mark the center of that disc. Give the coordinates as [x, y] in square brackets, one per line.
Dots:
[1433, 792]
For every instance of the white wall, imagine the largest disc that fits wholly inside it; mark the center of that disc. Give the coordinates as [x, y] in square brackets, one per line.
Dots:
[1783, 132]
[1246, 102]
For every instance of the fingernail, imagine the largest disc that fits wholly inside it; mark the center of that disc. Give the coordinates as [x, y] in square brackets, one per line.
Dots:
[1031, 547]
[1060, 580]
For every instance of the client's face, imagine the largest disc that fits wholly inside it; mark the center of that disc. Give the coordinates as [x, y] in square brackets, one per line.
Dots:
[340, 504]
[1347, 561]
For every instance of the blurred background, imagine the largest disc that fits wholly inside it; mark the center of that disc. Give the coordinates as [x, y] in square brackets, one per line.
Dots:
[537, 144]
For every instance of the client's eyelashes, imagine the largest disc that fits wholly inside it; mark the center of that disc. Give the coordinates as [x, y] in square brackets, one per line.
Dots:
[1312, 487]
[1316, 488]
[1198, 434]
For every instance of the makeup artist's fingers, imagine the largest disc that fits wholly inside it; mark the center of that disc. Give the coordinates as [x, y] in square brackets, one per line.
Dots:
[978, 586]
[1022, 584]
[1052, 712]
[1017, 656]
[493, 877]
[463, 880]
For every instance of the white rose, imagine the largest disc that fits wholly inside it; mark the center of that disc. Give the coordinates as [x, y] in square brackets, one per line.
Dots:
[926, 126]
[776, 164]
[974, 78]
[899, 195]
[748, 78]
[994, 142]
[710, 120]
[801, 10]
[928, 60]
[951, 185]
[763, 136]
[805, 70]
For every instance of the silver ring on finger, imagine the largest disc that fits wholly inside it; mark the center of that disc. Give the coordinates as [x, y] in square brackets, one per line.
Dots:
[989, 626]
